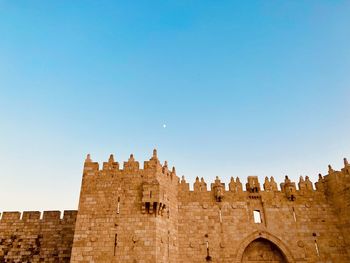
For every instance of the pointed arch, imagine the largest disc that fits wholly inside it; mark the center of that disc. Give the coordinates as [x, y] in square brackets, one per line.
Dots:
[269, 237]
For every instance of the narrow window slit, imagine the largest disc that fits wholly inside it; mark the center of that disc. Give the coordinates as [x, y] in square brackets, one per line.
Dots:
[118, 205]
[294, 216]
[257, 217]
[317, 249]
[147, 206]
[168, 243]
[115, 243]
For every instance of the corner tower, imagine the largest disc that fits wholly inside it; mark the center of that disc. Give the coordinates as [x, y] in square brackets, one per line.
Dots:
[127, 215]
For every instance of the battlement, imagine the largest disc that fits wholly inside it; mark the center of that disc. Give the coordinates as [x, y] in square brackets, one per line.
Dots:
[153, 167]
[34, 236]
[253, 185]
[130, 167]
[15, 216]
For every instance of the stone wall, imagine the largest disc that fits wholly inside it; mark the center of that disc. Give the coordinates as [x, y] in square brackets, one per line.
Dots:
[28, 238]
[227, 227]
[148, 215]
[337, 189]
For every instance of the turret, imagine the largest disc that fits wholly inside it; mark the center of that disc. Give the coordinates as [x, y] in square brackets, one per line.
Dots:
[90, 167]
[197, 185]
[232, 185]
[183, 185]
[218, 189]
[320, 184]
[346, 169]
[308, 184]
[267, 185]
[289, 188]
[131, 165]
[165, 169]
[153, 165]
[239, 186]
[253, 185]
[273, 184]
[111, 165]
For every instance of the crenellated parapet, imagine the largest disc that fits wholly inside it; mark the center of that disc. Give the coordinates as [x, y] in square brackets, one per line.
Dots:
[131, 166]
[270, 185]
[320, 183]
[305, 185]
[200, 185]
[15, 216]
[151, 168]
[235, 186]
[183, 185]
[34, 236]
[335, 181]
[153, 165]
[253, 185]
[346, 168]
[111, 165]
[157, 181]
[253, 189]
[90, 167]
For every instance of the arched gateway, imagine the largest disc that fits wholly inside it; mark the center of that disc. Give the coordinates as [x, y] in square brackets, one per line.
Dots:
[262, 247]
[262, 250]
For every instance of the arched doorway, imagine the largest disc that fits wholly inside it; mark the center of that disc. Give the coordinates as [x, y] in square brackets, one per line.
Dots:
[262, 250]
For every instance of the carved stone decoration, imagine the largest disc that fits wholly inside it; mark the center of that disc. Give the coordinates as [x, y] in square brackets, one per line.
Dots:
[134, 238]
[300, 243]
[219, 194]
[154, 199]
[289, 189]
[253, 185]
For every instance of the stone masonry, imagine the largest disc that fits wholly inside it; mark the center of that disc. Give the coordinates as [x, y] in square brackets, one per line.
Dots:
[149, 215]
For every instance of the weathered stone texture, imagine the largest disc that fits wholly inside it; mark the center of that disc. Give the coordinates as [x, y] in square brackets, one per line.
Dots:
[149, 215]
[31, 239]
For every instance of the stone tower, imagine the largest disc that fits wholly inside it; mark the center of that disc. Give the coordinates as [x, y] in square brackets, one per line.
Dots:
[127, 215]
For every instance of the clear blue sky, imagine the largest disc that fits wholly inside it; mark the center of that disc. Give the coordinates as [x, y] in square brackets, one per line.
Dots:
[244, 87]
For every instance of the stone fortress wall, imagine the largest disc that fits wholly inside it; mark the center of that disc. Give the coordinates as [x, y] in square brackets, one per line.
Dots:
[134, 215]
[35, 237]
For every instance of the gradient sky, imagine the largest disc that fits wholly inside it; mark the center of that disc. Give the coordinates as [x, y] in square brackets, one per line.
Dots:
[244, 87]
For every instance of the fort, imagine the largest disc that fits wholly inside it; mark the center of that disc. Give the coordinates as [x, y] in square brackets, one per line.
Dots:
[150, 215]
